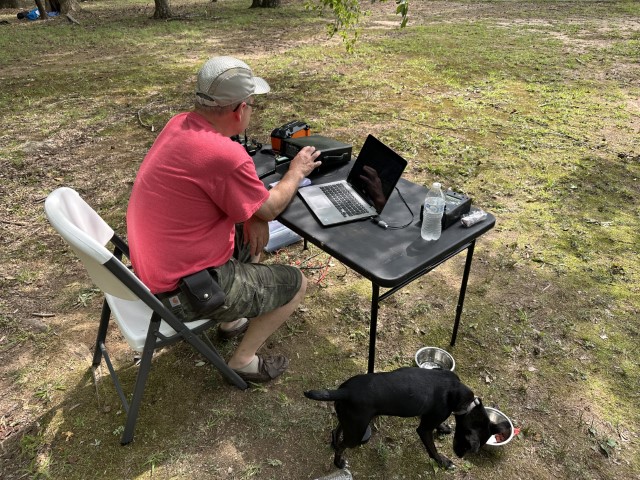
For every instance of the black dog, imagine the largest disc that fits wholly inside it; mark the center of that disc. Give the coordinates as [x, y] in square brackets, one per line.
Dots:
[432, 395]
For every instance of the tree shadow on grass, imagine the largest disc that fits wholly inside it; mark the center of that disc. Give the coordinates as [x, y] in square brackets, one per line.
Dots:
[190, 420]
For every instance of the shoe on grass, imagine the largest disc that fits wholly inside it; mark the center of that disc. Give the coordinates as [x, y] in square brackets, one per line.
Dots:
[269, 367]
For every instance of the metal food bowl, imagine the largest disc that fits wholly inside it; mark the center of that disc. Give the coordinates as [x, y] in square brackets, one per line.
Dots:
[435, 358]
[496, 416]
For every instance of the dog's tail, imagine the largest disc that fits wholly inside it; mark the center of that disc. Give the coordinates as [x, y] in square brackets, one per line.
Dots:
[327, 395]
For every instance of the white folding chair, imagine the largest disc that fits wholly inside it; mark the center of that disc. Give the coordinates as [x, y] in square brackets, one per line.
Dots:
[143, 320]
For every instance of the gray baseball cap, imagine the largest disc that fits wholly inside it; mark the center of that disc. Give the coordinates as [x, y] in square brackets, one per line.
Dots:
[224, 81]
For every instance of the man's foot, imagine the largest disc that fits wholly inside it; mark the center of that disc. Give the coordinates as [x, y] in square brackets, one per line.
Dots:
[230, 330]
[263, 368]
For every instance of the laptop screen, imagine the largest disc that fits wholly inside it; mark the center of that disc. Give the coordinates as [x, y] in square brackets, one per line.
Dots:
[376, 172]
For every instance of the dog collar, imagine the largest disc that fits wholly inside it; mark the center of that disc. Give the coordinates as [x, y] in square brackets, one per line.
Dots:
[474, 402]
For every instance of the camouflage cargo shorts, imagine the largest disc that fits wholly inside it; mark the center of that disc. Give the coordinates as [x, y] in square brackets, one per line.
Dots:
[251, 289]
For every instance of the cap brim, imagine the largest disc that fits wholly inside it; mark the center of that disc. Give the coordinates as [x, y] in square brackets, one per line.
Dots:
[261, 86]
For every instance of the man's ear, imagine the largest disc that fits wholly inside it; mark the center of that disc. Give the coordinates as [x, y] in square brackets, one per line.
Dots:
[238, 113]
[501, 428]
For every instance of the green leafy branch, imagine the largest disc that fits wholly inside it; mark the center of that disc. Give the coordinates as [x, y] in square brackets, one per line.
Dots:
[347, 15]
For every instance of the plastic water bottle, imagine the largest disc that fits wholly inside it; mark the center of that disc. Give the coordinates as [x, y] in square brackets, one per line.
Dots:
[432, 216]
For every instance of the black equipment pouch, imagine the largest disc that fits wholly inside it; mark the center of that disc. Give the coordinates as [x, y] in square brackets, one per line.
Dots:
[202, 291]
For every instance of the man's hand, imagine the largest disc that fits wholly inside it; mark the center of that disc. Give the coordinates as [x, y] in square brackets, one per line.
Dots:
[305, 161]
[256, 233]
[280, 195]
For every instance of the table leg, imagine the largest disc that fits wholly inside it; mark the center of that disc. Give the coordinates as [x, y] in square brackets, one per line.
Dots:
[373, 327]
[463, 290]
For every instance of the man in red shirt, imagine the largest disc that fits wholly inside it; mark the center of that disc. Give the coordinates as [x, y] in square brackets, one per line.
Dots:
[197, 204]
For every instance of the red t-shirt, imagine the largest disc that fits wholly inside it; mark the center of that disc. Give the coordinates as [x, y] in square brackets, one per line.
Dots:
[193, 186]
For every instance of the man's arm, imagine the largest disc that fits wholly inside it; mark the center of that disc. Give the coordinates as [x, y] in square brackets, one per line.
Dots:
[281, 195]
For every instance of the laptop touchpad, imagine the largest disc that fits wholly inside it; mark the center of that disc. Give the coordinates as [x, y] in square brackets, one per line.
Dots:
[322, 202]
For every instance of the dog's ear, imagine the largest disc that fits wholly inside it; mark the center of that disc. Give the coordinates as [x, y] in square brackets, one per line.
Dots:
[473, 441]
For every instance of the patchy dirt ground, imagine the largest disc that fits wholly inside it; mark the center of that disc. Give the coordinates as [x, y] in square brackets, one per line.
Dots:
[524, 344]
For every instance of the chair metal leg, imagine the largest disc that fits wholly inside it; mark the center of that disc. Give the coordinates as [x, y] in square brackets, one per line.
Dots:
[114, 377]
[212, 355]
[101, 352]
[141, 379]
[102, 333]
[242, 385]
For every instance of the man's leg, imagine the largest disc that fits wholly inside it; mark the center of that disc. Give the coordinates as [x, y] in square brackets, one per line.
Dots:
[228, 326]
[268, 294]
[261, 328]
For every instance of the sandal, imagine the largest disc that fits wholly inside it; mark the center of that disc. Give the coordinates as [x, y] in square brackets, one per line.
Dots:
[234, 332]
[269, 367]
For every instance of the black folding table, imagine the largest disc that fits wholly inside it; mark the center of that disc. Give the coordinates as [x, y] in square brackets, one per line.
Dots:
[389, 258]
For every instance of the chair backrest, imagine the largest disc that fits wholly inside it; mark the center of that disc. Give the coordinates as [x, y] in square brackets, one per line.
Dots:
[87, 234]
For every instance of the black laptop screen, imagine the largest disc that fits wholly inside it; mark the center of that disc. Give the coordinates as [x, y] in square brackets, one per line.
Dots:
[376, 172]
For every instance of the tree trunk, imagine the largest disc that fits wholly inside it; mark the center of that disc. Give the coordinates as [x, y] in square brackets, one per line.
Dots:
[42, 10]
[265, 3]
[163, 10]
[67, 6]
[53, 5]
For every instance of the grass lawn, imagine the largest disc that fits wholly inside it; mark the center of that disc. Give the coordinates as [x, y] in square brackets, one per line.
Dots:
[531, 108]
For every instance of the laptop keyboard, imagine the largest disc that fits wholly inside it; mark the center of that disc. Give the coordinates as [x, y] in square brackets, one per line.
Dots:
[343, 199]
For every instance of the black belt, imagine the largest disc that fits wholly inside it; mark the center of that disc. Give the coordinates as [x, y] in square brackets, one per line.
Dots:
[165, 295]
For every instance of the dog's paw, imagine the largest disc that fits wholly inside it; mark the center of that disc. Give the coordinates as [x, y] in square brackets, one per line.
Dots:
[443, 429]
[339, 462]
[445, 463]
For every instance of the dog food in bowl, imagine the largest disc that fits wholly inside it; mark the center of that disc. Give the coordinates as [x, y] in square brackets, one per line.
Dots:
[434, 358]
[499, 439]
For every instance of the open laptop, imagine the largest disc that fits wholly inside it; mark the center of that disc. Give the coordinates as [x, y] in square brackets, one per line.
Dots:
[364, 193]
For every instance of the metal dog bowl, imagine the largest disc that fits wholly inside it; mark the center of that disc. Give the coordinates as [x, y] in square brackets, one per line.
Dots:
[496, 416]
[435, 358]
